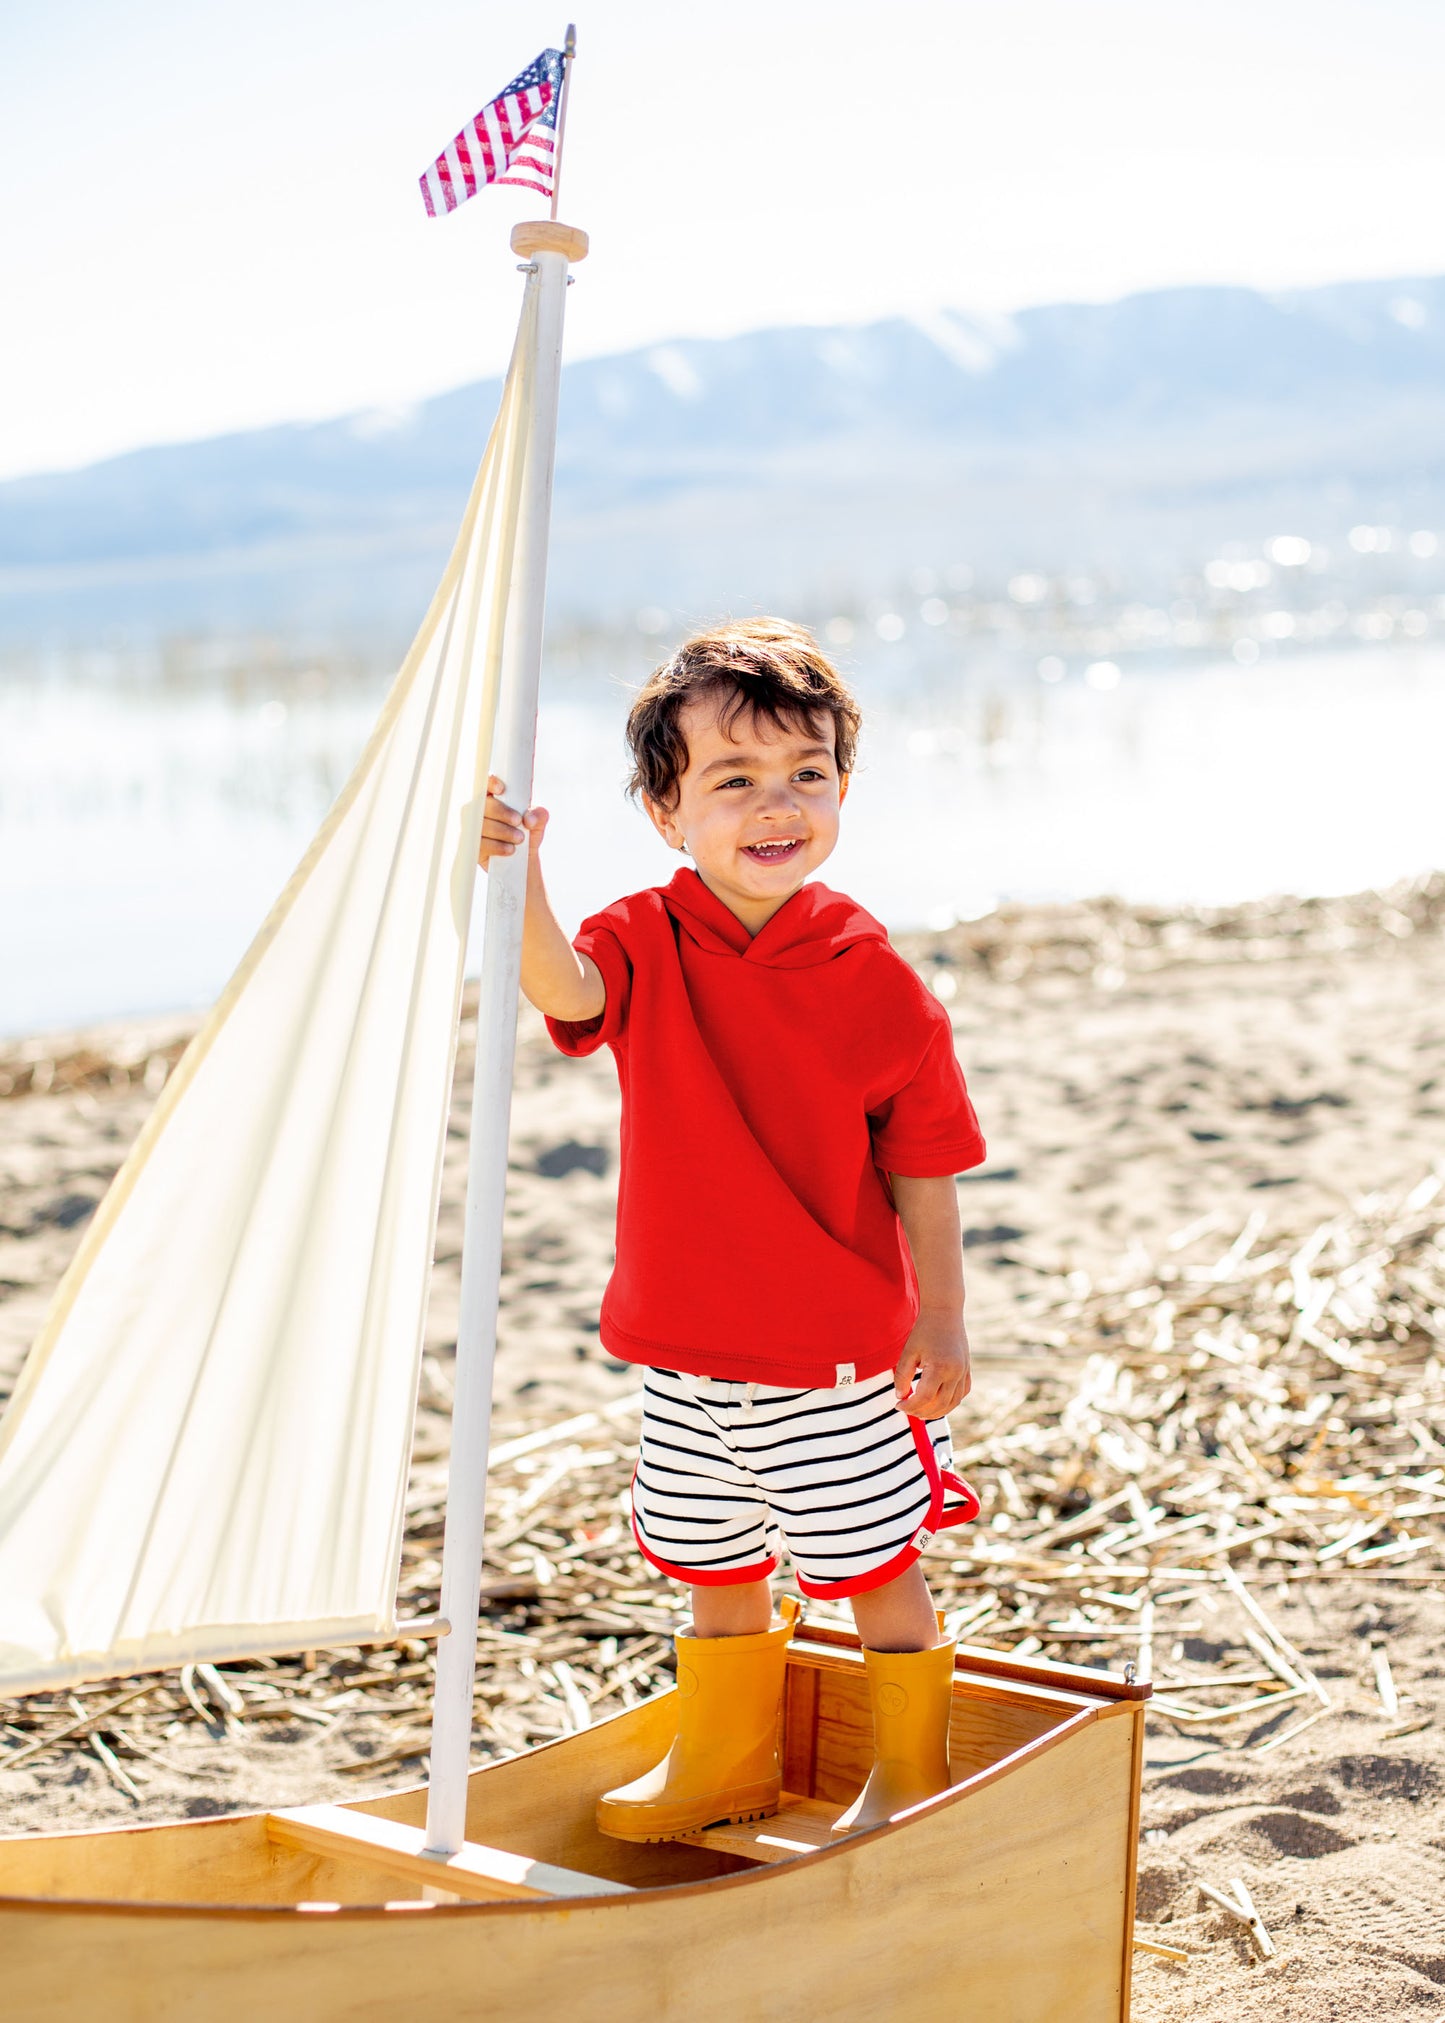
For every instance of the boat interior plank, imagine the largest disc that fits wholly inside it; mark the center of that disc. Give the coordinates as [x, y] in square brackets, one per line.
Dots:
[543, 1803]
[799, 1826]
[473, 1872]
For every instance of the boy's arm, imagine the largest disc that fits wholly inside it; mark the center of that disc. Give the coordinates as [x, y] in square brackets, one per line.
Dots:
[937, 1350]
[561, 983]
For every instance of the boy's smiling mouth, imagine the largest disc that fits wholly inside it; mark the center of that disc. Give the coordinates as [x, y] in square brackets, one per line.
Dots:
[776, 851]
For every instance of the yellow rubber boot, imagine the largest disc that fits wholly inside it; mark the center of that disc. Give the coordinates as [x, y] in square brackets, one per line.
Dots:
[912, 1694]
[725, 1763]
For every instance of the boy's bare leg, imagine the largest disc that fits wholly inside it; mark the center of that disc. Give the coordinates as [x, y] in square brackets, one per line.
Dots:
[742, 1611]
[898, 1617]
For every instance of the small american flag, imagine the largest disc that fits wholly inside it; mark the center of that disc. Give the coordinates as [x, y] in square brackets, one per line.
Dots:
[511, 140]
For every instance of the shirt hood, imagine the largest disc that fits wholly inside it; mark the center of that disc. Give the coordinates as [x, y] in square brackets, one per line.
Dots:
[812, 927]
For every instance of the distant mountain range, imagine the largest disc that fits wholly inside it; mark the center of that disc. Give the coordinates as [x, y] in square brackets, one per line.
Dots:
[794, 466]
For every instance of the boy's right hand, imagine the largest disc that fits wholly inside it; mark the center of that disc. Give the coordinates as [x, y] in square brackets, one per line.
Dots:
[555, 978]
[504, 830]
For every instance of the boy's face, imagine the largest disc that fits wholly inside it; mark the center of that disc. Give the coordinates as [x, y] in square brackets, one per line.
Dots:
[757, 808]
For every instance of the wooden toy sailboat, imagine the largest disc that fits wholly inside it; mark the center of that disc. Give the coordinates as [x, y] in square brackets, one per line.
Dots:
[206, 1458]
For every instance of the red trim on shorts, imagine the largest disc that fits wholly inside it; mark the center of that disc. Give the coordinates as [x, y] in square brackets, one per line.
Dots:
[942, 1516]
[968, 1506]
[728, 1576]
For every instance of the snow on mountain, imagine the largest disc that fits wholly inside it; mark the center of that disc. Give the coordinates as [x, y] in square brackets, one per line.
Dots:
[783, 465]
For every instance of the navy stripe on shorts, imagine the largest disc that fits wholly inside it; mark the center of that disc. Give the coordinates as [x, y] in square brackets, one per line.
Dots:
[730, 1474]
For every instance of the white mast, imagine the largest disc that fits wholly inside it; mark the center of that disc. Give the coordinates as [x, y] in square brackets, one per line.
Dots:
[569, 50]
[548, 247]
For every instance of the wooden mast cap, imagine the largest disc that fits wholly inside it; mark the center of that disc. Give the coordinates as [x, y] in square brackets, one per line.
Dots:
[545, 235]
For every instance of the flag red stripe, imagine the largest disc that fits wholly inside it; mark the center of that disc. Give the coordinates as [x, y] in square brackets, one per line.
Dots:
[469, 174]
[506, 142]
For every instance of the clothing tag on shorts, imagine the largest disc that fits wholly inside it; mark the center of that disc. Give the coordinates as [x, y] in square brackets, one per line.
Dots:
[843, 1375]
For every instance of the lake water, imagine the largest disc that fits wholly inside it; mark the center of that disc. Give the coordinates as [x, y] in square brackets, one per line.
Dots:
[145, 828]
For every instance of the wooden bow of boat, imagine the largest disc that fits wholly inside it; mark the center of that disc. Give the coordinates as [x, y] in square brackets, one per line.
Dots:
[1008, 1899]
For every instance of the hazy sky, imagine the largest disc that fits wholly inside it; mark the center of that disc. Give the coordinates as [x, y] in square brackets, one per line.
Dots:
[211, 217]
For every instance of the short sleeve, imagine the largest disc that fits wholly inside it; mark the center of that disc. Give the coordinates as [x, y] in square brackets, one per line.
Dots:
[927, 1127]
[584, 1036]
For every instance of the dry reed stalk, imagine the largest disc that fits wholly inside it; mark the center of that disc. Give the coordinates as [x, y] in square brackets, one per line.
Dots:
[1241, 1906]
[1385, 1683]
[1143, 1945]
[1242, 1402]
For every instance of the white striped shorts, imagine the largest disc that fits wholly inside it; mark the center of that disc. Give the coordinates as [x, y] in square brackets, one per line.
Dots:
[729, 1474]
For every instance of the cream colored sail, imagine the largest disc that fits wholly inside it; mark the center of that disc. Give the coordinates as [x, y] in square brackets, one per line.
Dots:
[206, 1455]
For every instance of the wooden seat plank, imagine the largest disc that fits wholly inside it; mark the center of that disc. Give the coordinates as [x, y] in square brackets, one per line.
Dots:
[799, 1826]
[474, 1871]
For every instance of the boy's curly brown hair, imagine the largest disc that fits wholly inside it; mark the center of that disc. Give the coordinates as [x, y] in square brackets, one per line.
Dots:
[758, 667]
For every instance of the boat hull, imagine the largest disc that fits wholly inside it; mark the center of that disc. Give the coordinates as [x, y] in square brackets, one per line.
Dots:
[1009, 1899]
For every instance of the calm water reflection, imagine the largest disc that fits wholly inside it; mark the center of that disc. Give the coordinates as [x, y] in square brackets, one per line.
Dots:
[145, 827]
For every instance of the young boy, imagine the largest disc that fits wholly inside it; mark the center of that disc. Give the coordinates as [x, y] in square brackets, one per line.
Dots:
[789, 1261]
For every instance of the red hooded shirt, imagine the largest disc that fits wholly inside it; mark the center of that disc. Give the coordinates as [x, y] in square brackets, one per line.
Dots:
[769, 1084]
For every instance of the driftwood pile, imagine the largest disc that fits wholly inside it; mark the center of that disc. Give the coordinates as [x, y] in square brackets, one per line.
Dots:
[571, 1624]
[48, 1066]
[1170, 1447]
[1247, 1411]
[1109, 941]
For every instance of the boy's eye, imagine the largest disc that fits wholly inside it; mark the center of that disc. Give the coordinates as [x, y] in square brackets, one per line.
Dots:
[808, 773]
[739, 780]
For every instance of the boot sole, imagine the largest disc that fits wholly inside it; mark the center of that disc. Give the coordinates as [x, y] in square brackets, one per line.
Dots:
[703, 1826]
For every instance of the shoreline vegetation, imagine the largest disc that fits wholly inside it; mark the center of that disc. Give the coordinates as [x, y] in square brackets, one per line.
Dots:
[1207, 1292]
[1102, 941]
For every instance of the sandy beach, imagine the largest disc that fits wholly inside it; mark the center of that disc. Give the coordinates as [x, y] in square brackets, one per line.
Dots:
[1154, 1086]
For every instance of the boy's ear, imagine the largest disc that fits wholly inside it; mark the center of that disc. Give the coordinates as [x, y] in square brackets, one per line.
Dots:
[844, 780]
[664, 820]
